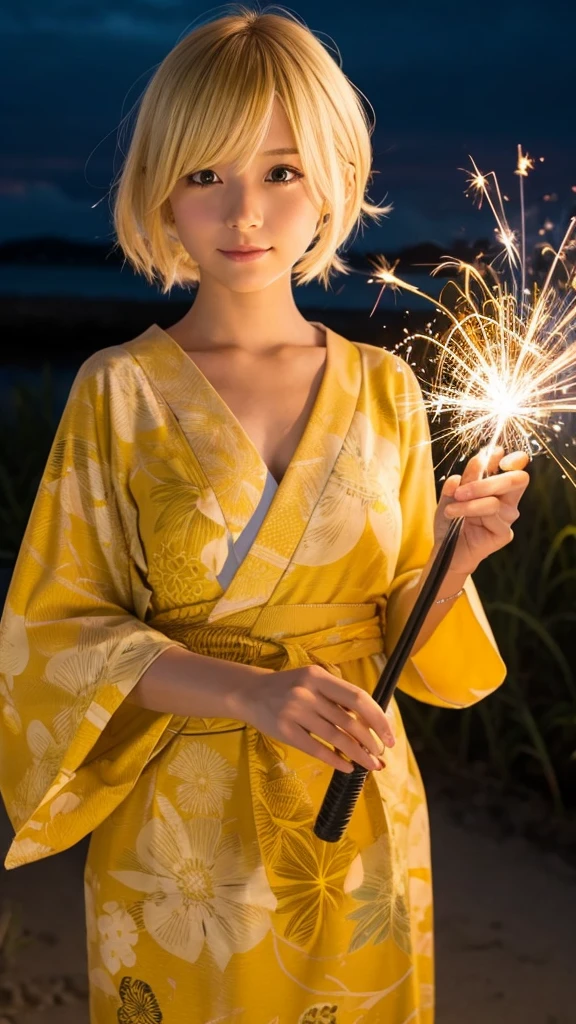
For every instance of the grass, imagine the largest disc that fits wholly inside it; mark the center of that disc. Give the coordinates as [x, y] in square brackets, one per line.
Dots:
[525, 732]
[14, 937]
[26, 434]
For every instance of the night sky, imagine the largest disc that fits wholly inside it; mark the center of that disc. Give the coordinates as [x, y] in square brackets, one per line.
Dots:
[445, 80]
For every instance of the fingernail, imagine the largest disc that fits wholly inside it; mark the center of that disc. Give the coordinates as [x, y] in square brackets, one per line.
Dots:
[377, 739]
[463, 493]
[376, 763]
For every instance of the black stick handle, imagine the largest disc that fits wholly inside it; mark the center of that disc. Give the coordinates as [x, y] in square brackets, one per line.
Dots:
[345, 787]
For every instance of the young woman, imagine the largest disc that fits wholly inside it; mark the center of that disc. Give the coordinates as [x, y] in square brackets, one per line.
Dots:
[234, 521]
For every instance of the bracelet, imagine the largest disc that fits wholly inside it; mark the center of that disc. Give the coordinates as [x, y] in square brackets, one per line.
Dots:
[441, 600]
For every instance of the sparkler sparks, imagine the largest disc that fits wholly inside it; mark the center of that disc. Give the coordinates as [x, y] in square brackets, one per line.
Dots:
[525, 164]
[506, 365]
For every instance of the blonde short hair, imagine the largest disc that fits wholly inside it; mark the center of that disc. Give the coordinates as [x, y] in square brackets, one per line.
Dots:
[210, 101]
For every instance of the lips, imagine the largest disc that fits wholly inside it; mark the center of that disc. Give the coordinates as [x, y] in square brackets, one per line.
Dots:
[243, 256]
[240, 252]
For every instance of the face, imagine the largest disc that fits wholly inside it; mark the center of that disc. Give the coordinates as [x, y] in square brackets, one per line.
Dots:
[267, 206]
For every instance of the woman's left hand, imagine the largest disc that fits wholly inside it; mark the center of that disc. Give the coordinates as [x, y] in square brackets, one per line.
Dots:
[489, 505]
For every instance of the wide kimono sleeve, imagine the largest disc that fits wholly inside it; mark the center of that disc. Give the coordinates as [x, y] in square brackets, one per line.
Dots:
[460, 663]
[73, 643]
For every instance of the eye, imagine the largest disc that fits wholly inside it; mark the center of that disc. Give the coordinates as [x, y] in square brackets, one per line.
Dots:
[280, 167]
[291, 170]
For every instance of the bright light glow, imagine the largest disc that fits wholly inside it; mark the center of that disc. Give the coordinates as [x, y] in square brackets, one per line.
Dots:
[505, 368]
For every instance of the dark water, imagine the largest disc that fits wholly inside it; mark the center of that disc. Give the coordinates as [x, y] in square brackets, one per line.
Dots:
[348, 291]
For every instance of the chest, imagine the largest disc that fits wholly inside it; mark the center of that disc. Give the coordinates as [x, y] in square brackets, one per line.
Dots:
[271, 399]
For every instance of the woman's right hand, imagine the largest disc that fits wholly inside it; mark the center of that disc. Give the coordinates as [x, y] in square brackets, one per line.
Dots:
[299, 702]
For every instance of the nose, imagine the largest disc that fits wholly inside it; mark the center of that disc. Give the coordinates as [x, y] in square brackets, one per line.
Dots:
[243, 210]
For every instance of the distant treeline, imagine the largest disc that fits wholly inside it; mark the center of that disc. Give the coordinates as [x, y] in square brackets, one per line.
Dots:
[66, 252]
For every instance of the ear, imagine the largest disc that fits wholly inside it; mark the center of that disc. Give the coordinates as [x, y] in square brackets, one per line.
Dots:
[350, 179]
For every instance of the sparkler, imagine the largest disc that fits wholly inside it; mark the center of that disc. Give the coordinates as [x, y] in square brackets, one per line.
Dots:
[506, 365]
[506, 373]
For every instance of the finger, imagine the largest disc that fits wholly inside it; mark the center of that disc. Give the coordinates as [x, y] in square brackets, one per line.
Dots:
[484, 463]
[479, 508]
[511, 483]
[350, 723]
[501, 523]
[449, 488]
[349, 696]
[508, 513]
[497, 525]
[496, 522]
[321, 729]
[303, 741]
[514, 460]
[493, 458]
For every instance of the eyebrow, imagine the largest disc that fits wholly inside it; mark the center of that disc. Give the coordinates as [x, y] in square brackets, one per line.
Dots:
[279, 152]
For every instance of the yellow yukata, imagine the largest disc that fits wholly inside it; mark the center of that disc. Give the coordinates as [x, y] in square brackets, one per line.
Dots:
[208, 897]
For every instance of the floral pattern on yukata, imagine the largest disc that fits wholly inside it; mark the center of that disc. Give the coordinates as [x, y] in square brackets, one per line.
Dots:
[204, 875]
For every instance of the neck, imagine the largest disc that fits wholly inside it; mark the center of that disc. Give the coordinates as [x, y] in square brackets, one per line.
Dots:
[256, 321]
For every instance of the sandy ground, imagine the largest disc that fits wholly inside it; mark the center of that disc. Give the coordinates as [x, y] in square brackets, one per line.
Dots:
[505, 927]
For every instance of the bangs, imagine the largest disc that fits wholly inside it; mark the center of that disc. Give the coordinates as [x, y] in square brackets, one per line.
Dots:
[227, 118]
